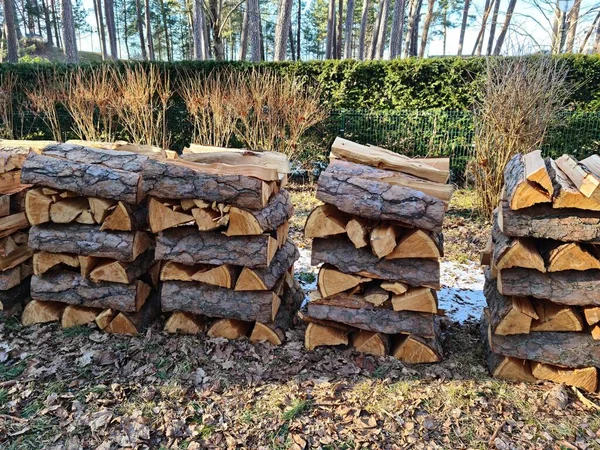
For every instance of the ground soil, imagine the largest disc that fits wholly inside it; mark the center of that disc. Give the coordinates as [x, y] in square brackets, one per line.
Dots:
[78, 388]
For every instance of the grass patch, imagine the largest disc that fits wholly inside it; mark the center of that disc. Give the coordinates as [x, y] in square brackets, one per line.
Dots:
[78, 330]
[298, 407]
[13, 371]
[306, 277]
[3, 399]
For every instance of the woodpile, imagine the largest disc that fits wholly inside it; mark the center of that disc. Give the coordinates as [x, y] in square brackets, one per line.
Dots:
[15, 254]
[94, 258]
[543, 277]
[221, 219]
[378, 238]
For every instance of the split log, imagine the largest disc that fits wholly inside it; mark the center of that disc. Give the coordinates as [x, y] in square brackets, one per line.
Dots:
[122, 272]
[507, 368]
[20, 255]
[418, 244]
[318, 335]
[74, 289]
[134, 323]
[592, 314]
[324, 221]
[356, 312]
[10, 161]
[553, 317]
[13, 223]
[595, 332]
[375, 295]
[585, 378]
[44, 261]
[82, 178]
[113, 159]
[100, 208]
[188, 246]
[265, 278]
[15, 295]
[383, 239]
[581, 176]
[417, 350]
[331, 281]
[229, 329]
[566, 194]
[245, 222]
[519, 191]
[162, 217]
[358, 229]
[264, 333]
[105, 318]
[508, 315]
[372, 343]
[169, 180]
[68, 209]
[222, 276]
[125, 217]
[206, 219]
[209, 155]
[12, 277]
[536, 171]
[515, 252]
[10, 183]
[41, 312]
[214, 301]
[571, 256]
[4, 205]
[78, 315]
[379, 157]
[366, 192]
[8, 245]
[394, 287]
[88, 240]
[544, 222]
[573, 350]
[417, 300]
[184, 323]
[345, 257]
[569, 287]
[37, 206]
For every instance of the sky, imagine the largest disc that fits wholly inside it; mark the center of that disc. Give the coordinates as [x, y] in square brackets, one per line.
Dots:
[530, 28]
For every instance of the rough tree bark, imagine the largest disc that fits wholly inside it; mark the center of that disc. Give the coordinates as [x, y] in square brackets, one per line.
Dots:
[502, 35]
[254, 30]
[100, 26]
[463, 26]
[149, 37]
[10, 31]
[48, 23]
[382, 35]
[348, 29]
[68, 28]
[109, 11]
[493, 25]
[410, 27]
[139, 22]
[426, 25]
[397, 29]
[589, 33]
[339, 30]
[244, 35]
[330, 41]
[198, 34]
[376, 27]
[363, 30]
[282, 29]
[478, 47]
[572, 21]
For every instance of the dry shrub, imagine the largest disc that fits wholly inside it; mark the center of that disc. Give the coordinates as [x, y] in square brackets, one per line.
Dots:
[43, 99]
[520, 99]
[140, 101]
[7, 89]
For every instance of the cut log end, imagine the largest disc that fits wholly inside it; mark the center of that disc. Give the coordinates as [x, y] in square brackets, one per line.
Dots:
[78, 315]
[265, 333]
[41, 312]
[319, 335]
[370, 342]
[229, 329]
[415, 350]
[585, 378]
[184, 323]
[325, 220]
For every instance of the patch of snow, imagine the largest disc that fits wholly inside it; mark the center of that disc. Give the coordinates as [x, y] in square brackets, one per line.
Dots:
[462, 291]
[302, 265]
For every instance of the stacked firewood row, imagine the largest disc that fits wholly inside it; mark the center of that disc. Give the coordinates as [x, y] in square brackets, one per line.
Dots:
[378, 237]
[543, 281]
[94, 259]
[221, 220]
[15, 254]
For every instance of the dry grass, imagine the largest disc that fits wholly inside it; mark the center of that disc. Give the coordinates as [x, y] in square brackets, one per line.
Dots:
[43, 99]
[520, 99]
[7, 88]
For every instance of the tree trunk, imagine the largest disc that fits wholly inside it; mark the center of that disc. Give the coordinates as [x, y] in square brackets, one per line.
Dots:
[426, 25]
[10, 31]
[589, 33]
[55, 24]
[502, 35]
[254, 30]
[339, 30]
[69, 32]
[556, 30]
[198, 35]
[463, 26]
[597, 43]
[382, 37]
[168, 44]
[100, 25]
[109, 11]
[397, 29]
[363, 30]
[282, 29]
[572, 20]
[244, 35]
[261, 35]
[410, 26]
[149, 31]
[48, 23]
[493, 25]
[140, 28]
[292, 44]
[376, 27]
[348, 30]
[298, 30]
[125, 30]
[414, 40]
[330, 40]
[480, 36]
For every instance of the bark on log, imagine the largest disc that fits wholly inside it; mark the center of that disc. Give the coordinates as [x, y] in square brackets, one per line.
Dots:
[520, 192]
[120, 272]
[214, 301]
[566, 194]
[562, 349]
[357, 312]
[165, 180]
[542, 221]
[342, 254]
[363, 191]
[14, 295]
[568, 287]
[88, 240]
[189, 246]
[84, 179]
[515, 252]
[114, 159]
[70, 287]
[263, 279]
[279, 210]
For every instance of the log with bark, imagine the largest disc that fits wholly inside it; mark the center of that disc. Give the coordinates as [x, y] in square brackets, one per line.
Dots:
[187, 181]
[418, 244]
[72, 288]
[133, 323]
[519, 191]
[581, 176]
[12, 277]
[566, 194]
[246, 222]
[84, 179]
[342, 254]
[14, 295]
[417, 350]
[215, 301]
[369, 192]
[257, 279]
[515, 252]
[317, 335]
[188, 246]
[113, 159]
[89, 240]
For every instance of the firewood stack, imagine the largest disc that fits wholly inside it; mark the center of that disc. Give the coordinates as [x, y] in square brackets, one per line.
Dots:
[543, 281]
[93, 257]
[15, 254]
[378, 237]
[221, 219]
